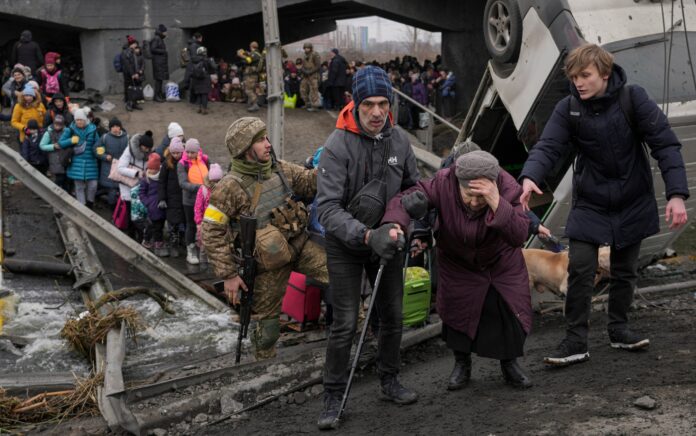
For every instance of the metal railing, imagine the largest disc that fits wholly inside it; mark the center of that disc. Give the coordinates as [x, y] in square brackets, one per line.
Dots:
[431, 114]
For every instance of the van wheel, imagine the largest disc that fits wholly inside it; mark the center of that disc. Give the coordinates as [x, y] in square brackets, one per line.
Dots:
[502, 30]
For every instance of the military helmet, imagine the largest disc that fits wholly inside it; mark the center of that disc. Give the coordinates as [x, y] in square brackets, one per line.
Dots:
[241, 133]
[308, 45]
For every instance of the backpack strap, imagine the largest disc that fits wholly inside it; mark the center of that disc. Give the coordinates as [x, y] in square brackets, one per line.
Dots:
[574, 115]
[626, 103]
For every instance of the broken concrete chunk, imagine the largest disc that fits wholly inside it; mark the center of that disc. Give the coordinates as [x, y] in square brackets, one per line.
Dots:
[317, 390]
[300, 397]
[200, 418]
[229, 405]
[158, 432]
[645, 402]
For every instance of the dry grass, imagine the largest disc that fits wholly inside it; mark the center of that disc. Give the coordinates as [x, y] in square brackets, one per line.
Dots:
[51, 407]
[90, 328]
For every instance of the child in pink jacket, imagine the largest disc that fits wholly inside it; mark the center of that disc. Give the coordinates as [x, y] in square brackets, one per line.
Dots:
[203, 198]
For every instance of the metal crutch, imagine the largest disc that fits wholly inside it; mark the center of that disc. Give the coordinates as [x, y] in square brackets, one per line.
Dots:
[375, 289]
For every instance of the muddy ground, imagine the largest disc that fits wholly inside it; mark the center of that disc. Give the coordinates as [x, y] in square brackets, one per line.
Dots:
[596, 397]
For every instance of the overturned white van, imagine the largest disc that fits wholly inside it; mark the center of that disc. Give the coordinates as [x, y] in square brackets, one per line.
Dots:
[528, 41]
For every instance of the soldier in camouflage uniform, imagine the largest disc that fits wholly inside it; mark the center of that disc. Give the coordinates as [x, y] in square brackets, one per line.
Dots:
[251, 59]
[309, 87]
[257, 185]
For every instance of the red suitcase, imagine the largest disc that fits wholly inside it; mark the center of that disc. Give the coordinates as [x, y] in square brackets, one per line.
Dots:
[301, 302]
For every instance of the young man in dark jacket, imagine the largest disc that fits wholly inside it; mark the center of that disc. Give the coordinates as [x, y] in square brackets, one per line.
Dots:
[613, 195]
[133, 71]
[364, 147]
[337, 78]
[160, 61]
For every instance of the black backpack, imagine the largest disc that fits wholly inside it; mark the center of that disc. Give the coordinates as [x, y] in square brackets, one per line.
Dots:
[199, 70]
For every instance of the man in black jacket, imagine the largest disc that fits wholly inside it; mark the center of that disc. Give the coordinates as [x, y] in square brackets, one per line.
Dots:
[613, 195]
[365, 149]
[27, 52]
[337, 78]
[160, 61]
[195, 42]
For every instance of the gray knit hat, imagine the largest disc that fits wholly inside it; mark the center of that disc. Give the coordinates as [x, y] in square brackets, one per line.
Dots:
[464, 147]
[476, 165]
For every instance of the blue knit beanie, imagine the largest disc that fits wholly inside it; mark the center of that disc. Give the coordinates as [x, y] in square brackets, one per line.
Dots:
[29, 90]
[371, 82]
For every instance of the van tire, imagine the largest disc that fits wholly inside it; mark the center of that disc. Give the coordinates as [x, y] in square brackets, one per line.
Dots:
[502, 30]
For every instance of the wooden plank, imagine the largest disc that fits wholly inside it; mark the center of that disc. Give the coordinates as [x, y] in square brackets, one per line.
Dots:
[132, 252]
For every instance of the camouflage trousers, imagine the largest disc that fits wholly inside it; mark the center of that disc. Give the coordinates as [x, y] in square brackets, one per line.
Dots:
[309, 91]
[269, 290]
[250, 89]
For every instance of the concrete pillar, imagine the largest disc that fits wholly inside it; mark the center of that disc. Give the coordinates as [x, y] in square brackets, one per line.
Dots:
[465, 53]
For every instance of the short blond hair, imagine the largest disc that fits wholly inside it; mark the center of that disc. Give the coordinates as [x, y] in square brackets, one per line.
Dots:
[586, 55]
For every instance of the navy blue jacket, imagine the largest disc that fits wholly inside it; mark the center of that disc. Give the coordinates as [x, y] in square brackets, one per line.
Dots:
[613, 194]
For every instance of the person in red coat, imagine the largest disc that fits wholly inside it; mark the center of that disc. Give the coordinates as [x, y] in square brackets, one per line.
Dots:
[483, 293]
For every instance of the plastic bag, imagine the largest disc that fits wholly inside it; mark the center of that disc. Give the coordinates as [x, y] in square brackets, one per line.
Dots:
[423, 120]
[148, 92]
[171, 90]
[289, 102]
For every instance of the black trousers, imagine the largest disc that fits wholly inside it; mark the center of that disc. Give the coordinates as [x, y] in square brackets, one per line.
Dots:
[190, 237]
[345, 275]
[154, 231]
[582, 267]
[158, 89]
[202, 100]
[337, 97]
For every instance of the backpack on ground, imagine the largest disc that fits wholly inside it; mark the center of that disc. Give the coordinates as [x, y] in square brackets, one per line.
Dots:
[147, 54]
[302, 299]
[118, 64]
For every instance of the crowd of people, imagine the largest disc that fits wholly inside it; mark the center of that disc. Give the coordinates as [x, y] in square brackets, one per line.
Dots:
[309, 81]
[366, 201]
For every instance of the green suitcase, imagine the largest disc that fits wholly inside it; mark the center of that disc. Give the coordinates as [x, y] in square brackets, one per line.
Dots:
[416, 303]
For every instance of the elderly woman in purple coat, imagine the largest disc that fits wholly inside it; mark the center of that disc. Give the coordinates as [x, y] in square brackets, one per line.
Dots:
[483, 292]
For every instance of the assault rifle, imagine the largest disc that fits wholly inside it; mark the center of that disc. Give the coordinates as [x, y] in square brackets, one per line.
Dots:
[247, 272]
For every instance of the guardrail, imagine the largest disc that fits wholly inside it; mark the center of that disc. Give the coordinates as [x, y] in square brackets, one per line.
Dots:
[431, 114]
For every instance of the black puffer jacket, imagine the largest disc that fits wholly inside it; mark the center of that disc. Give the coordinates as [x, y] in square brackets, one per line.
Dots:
[169, 190]
[27, 52]
[201, 85]
[132, 63]
[613, 194]
[160, 58]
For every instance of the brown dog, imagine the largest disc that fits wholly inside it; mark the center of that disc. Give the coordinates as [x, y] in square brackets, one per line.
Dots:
[548, 271]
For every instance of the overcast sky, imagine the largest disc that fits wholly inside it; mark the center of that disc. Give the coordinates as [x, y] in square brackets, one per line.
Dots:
[386, 30]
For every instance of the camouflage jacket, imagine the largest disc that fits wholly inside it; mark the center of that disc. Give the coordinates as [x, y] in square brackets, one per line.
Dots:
[311, 65]
[228, 201]
[251, 63]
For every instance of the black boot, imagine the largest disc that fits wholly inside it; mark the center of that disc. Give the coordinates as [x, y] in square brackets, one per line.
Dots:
[393, 390]
[513, 374]
[461, 374]
[329, 416]
[90, 205]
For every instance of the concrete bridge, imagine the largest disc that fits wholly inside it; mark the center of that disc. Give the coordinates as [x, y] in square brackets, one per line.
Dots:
[94, 31]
